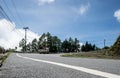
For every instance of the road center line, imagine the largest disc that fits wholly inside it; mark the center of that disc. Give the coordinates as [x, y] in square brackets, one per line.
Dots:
[87, 70]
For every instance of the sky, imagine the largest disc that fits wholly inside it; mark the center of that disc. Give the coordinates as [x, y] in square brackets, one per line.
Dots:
[87, 20]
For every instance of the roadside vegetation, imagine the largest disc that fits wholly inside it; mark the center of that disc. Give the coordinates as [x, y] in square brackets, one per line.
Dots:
[112, 52]
[91, 54]
[3, 55]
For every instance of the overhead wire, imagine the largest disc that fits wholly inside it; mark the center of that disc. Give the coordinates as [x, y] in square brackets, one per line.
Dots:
[18, 32]
[17, 12]
[18, 16]
[10, 12]
[4, 14]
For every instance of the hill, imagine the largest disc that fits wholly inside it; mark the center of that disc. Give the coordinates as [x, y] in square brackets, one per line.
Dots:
[115, 49]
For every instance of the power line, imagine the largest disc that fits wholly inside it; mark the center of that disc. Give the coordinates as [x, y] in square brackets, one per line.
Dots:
[17, 12]
[10, 12]
[17, 31]
[1, 14]
[4, 14]
[20, 33]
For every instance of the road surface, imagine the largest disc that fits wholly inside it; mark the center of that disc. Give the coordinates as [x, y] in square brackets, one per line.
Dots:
[53, 66]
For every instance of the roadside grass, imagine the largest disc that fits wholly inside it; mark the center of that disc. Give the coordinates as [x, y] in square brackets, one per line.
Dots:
[92, 54]
[4, 57]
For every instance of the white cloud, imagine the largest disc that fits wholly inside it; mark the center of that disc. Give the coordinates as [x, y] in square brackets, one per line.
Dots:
[84, 8]
[117, 15]
[10, 36]
[42, 2]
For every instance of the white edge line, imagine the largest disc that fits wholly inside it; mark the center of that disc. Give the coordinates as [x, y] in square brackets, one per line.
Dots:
[87, 70]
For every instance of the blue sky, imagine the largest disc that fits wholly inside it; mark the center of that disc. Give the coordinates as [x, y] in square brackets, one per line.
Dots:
[88, 20]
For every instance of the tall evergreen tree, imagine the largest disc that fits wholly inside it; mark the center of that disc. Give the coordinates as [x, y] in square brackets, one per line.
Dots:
[77, 45]
[34, 45]
[88, 47]
[22, 44]
[70, 45]
[65, 45]
[29, 47]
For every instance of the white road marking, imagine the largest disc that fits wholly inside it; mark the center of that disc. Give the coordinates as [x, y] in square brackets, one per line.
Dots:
[87, 70]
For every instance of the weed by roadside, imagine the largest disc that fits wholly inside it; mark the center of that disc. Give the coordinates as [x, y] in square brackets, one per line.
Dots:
[4, 57]
[90, 55]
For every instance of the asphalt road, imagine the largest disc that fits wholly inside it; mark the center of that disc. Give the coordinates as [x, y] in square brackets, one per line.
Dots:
[19, 67]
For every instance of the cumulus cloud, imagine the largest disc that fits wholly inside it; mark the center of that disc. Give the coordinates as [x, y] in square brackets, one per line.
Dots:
[42, 2]
[10, 36]
[117, 15]
[84, 8]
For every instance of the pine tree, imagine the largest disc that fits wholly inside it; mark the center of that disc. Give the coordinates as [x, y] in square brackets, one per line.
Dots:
[34, 45]
[22, 44]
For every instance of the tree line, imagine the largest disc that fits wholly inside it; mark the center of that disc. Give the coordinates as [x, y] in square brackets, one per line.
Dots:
[53, 44]
[89, 47]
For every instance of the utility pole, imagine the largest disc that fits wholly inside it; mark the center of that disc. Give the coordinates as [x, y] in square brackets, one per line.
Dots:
[104, 43]
[25, 28]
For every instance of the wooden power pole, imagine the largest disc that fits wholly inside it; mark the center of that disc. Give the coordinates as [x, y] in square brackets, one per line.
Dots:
[25, 28]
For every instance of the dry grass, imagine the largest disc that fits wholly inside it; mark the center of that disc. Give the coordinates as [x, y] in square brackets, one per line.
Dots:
[93, 54]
